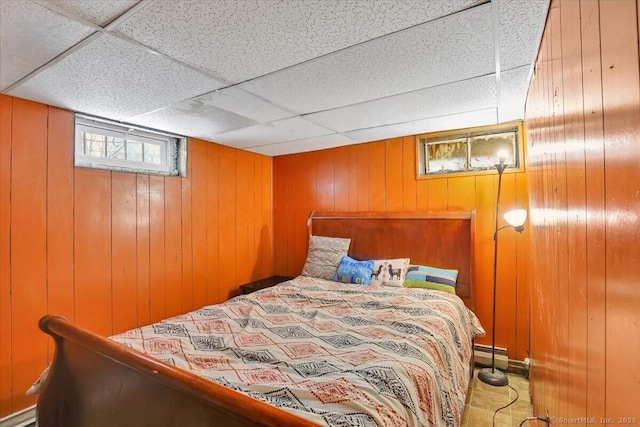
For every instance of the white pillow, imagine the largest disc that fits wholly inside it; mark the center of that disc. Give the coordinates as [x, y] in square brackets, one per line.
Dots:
[389, 272]
[324, 256]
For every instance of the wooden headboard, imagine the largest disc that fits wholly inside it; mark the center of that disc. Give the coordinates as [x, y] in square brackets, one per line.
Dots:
[437, 239]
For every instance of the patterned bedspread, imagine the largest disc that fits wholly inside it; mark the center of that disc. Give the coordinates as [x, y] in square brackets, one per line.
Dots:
[336, 354]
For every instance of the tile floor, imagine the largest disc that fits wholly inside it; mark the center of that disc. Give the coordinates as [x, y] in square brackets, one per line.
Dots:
[483, 400]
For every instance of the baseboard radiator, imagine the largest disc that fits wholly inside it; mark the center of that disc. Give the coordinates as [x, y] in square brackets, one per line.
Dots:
[24, 418]
[482, 356]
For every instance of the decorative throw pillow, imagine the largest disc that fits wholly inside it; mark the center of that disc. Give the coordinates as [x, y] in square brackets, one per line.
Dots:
[324, 255]
[353, 271]
[422, 276]
[389, 272]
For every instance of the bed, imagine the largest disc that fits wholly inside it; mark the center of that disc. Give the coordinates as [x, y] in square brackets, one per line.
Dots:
[305, 352]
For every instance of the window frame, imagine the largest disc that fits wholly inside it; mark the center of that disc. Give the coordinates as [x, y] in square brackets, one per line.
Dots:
[172, 147]
[430, 138]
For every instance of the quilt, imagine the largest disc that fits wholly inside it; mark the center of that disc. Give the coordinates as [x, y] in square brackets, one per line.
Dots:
[339, 355]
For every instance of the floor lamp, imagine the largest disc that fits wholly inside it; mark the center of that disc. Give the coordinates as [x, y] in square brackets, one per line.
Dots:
[515, 219]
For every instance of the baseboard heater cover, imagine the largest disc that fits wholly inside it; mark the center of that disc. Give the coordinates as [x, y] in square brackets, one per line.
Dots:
[24, 418]
[482, 356]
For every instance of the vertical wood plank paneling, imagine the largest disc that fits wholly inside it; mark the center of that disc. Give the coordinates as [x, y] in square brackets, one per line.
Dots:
[341, 173]
[377, 167]
[280, 215]
[393, 189]
[109, 250]
[262, 219]
[325, 184]
[199, 221]
[353, 178]
[60, 215]
[257, 210]
[573, 107]
[594, 186]
[123, 251]
[157, 276]
[212, 225]
[364, 175]
[560, 195]
[300, 214]
[142, 249]
[422, 198]
[409, 182]
[292, 190]
[187, 249]
[461, 193]
[522, 277]
[268, 217]
[621, 114]
[173, 245]
[6, 113]
[583, 180]
[242, 273]
[437, 192]
[249, 274]
[227, 239]
[93, 293]
[28, 243]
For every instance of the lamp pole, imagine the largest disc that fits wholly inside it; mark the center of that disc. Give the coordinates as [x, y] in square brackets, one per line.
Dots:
[486, 375]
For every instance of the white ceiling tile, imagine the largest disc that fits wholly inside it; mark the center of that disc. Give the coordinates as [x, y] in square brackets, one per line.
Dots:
[229, 38]
[466, 95]
[114, 79]
[198, 121]
[447, 50]
[302, 145]
[213, 113]
[32, 35]
[245, 104]
[279, 131]
[521, 25]
[434, 124]
[513, 93]
[99, 12]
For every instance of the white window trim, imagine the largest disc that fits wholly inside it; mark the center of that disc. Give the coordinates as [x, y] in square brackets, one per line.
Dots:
[172, 147]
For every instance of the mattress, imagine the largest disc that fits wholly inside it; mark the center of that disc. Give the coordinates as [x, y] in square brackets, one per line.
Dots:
[333, 353]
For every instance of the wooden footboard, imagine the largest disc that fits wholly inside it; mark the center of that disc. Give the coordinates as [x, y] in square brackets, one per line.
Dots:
[94, 381]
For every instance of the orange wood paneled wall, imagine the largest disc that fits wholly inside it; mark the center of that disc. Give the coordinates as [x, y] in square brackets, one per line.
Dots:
[381, 176]
[583, 116]
[109, 250]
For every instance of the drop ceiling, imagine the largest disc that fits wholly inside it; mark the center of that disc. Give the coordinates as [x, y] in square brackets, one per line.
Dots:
[276, 76]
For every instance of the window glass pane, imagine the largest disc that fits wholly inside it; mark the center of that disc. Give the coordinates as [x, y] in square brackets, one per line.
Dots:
[94, 144]
[100, 143]
[115, 148]
[447, 156]
[134, 151]
[152, 153]
[484, 149]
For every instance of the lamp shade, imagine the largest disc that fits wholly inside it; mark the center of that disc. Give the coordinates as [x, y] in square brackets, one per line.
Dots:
[516, 217]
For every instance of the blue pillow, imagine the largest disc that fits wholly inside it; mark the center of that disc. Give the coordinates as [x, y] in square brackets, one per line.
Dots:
[353, 271]
[422, 276]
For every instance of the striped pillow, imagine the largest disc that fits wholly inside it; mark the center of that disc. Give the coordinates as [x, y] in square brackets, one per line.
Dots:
[422, 276]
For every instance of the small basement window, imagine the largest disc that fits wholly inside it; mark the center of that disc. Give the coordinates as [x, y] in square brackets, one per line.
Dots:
[471, 150]
[103, 144]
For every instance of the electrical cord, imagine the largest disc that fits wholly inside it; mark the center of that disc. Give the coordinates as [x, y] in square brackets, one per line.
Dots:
[543, 419]
[506, 406]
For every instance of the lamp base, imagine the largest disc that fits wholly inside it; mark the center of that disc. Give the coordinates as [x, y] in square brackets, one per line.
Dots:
[493, 377]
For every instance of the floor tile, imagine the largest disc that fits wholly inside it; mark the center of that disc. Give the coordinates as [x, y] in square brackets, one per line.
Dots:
[483, 400]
